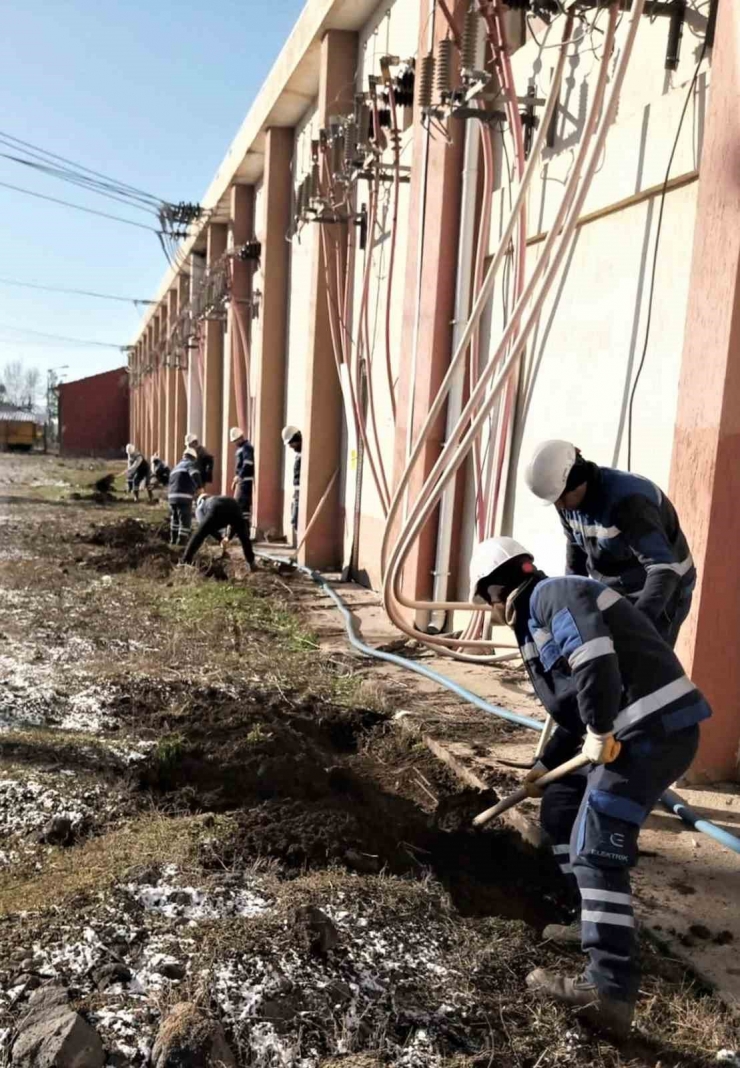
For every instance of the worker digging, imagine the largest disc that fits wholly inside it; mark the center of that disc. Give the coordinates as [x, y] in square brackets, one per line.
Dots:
[621, 529]
[222, 519]
[184, 483]
[138, 473]
[619, 694]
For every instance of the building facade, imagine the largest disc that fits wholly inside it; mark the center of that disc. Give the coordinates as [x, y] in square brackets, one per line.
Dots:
[406, 165]
[94, 416]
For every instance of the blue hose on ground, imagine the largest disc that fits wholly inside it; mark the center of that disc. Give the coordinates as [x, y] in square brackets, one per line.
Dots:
[670, 800]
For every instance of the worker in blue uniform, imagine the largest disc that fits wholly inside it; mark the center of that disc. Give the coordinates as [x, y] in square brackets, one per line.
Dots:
[619, 694]
[243, 482]
[621, 529]
[182, 488]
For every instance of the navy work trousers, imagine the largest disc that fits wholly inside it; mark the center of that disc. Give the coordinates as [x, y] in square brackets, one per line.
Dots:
[593, 818]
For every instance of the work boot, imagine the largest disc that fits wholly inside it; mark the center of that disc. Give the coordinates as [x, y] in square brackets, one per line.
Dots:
[563, 934]
[598, 1009]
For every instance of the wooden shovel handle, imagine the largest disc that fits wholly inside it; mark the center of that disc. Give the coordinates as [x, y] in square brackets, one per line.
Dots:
[519, 795]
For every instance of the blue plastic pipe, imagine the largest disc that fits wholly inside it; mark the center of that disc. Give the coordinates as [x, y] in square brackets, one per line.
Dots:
[673, 803]
[670, 800]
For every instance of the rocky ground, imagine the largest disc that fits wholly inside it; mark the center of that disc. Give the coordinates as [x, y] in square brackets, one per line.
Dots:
[216, 845]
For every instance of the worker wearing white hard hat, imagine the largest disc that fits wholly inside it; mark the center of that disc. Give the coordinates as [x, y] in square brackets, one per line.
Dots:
[621, 529]
[138, 473]
[618, 693]
[242, 485]
[293, 439]
[206, 461]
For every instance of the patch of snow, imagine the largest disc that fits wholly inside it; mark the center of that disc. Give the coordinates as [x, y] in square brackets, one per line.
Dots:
[191, 903]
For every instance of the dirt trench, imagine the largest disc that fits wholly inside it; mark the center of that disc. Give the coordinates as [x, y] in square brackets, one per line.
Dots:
[133, 545]
[312, 785]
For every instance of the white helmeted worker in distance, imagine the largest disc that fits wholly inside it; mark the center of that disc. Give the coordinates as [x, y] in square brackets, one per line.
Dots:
[618, 693]
[242, 484]
[205, 460]
[621, 529]
[137, 472]
[293, 439]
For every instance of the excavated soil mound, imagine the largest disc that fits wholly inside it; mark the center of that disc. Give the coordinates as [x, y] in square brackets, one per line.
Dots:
[132, 545]
[303, 786]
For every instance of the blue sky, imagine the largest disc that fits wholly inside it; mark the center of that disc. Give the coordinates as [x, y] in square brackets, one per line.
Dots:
[148, 93]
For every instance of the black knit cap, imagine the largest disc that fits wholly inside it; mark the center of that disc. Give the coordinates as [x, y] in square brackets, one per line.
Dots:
[578, 473]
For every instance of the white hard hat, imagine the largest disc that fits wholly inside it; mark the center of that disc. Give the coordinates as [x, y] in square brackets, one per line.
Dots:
[490, 554]
[288, 433]
[191, 439]
[235, 433]
[200, 507]
[191, 454]
[130, 449]
[547, 472]
[155, 456]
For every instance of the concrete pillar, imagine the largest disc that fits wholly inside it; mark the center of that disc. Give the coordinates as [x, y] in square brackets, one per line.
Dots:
[157, 376]
[149, 395]
[181, 397]
[163, 333]
[322, 424]
[270, 354]
[171, 374]
[236, 386]
[429, 305]
[213, 364]
[705, 474]
[195, 391]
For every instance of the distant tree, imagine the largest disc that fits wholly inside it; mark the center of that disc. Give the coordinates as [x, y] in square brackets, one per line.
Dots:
[19, 385]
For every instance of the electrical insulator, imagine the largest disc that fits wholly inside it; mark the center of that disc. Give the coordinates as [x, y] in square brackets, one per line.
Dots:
[350, 143]
[366, 124]
[469, 51]
[337, 154]
[426, 78]
[443, 72]
[404, 88]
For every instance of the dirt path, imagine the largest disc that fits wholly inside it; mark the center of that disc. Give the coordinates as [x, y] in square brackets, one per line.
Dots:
[186, 777]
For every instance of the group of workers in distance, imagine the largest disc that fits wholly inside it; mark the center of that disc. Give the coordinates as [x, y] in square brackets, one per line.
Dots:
[597, 644]
[220, 517]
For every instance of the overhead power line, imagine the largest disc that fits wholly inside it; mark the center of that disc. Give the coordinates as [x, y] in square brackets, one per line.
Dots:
[77, 292]
[60, 337]
[79, 207]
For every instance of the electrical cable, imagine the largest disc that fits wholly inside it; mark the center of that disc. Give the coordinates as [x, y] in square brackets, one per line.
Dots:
[656, 250]
[76, 292]
[62, 337]
[78, 207]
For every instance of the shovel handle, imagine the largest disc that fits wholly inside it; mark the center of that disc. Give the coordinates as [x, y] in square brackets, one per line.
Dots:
[519, 795]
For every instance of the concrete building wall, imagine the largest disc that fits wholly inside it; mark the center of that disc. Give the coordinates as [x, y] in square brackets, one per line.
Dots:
[302, 246]
[580, 365]
[392, 30]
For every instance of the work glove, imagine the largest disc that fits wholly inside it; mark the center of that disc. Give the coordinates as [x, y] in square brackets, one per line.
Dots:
[600, 748]
[532, 778]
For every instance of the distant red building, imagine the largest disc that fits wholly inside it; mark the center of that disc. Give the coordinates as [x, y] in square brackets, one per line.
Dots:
[94, 415]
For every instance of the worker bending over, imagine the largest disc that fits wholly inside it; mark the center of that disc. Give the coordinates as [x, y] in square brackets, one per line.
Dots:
[619, 694]
[160, 470]
[293, 439]
[621, 529]
[242, 483]
[183, 485]
[137, 473]
[203, 458]
[220, 518]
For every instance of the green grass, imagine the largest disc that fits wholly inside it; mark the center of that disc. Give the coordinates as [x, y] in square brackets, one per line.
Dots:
[228, 606]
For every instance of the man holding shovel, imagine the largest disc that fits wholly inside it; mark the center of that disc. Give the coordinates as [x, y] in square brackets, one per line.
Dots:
[618, 694]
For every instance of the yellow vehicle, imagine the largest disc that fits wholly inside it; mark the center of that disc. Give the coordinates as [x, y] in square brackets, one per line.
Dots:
[17, 430]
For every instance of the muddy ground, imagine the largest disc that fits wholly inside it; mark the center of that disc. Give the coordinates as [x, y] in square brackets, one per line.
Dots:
[185, 776]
